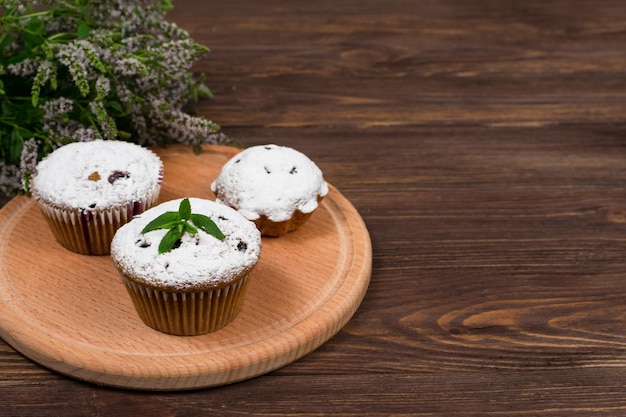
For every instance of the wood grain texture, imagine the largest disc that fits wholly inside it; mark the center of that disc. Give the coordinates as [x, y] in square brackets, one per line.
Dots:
[483, 143]
[71, 313]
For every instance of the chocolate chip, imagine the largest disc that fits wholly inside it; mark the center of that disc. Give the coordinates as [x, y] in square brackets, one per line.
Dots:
[294, 170]
[142, 243]
[116, 175]
[242, 246]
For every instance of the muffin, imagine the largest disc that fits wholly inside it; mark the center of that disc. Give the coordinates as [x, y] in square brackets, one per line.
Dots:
[276, 187]
[198, 282]
[87, 190]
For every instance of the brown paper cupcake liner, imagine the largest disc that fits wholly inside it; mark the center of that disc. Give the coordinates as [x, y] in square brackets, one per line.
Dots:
[271, 228]
[90, 231]
[187, 313]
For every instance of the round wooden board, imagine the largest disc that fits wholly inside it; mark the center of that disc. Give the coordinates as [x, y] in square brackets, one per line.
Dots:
[71, 313]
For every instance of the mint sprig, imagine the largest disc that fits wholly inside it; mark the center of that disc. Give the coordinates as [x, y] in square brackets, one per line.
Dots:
[179, 222]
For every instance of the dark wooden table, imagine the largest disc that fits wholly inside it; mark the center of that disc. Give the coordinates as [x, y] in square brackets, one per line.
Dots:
[484, 144]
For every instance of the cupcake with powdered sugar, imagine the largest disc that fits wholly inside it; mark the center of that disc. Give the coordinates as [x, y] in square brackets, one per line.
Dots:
[186, 264]
[276, 187]
[87, 190]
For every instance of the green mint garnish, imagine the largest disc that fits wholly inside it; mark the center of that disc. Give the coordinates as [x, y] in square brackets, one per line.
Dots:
[178, 222]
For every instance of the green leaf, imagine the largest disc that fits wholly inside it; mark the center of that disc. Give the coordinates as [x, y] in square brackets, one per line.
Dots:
[178, 224]
[26, 133]
[115, 105]
[7, 40]
[166, 5]
[205, 223]
[34, 32]
[185, 209]
[8, 110]
[165, 221]
[83, 30]
[169, 240]
[189, 228]
[26, 114]
[203, 91]
[16, 145]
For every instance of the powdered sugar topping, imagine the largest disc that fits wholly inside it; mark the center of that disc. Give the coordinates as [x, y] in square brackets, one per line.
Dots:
[97, 174]
[270, 180]
[200, 260]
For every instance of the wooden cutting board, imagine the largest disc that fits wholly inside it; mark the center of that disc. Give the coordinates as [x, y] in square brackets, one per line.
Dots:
[71, 313]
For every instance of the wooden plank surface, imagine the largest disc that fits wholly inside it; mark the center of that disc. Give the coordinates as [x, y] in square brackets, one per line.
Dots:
[483, 143]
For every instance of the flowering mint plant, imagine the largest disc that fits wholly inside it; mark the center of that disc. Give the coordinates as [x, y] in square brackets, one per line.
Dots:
[79, 70]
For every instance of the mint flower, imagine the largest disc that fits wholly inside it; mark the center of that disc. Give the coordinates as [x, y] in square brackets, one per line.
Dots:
[79, 70]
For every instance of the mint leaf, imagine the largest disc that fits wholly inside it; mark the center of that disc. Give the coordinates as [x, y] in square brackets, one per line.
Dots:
[34, 33]
[190, 228]
[185, 209]
[7, 40]
[166, 220]
[169, 240]
[83, 30]
[178, 223]
[16, 144]
[205, 223]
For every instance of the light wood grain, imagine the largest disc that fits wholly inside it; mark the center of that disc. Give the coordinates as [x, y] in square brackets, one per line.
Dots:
[72, 314]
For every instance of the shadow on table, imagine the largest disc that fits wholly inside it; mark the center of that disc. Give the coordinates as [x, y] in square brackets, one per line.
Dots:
[4, 200]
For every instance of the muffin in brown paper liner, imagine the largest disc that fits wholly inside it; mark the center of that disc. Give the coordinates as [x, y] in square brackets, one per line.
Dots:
[185, 313]
[276, 187]
[199, 284]
[271, 228]
[89, 231]
[87, 190]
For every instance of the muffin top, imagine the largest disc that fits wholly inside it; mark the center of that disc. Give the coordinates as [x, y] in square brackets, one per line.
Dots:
[198, 261]
[97, 174]
[270, 180]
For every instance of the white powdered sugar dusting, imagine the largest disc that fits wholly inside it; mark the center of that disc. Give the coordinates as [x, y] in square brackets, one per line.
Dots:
[97, 174]
[200, 260]
[270, 180]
